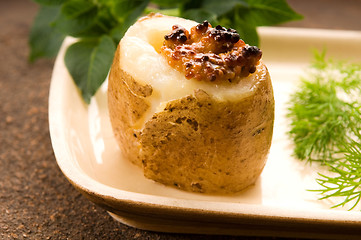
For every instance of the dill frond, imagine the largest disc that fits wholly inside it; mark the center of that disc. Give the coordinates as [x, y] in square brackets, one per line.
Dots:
[325, 116]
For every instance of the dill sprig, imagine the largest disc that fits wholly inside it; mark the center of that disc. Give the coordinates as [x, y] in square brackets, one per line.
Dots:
[325, 114]
[347, 183]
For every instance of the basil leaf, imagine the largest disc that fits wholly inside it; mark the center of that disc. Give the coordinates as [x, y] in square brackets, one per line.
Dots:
[44, 40]
[77, 19]
[77, 8]
[118, 32]
[105, 19]
[125, 8]
[128, 12]
[267, 12]
[199, 15]
[88, 62]
[189, 4]
[166, 3]
[50, 2]
[248, 33]
[222, 7]
[100, 23]
[165, 11]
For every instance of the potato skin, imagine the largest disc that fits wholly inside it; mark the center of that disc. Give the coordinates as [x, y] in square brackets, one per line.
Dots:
[197, 143]
[126, 103]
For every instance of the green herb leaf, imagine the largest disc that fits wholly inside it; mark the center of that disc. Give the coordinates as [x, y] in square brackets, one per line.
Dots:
[88, 20]
[124, 8]
[166, 3]
[50, 2]
[321, 119]
[167, 11]
[242, 15]
[44, 40]
[346, 184]
[78, 18]
[222, 7]
[249, 14]
[77, 8]
[266, 12]
[188, 4]
[128, 12]
[325, 114]
[88, 62]
[247, 32]
[199, 15]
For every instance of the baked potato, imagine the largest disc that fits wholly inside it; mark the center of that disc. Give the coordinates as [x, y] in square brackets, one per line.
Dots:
[203, 130]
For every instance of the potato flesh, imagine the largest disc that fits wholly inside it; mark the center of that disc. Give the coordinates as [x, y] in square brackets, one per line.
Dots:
[141, 59]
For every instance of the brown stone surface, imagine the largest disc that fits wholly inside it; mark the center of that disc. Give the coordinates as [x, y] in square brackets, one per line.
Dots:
[36, 201]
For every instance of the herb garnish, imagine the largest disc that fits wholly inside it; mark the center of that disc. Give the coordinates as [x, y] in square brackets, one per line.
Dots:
[100, 24]
[325, 116]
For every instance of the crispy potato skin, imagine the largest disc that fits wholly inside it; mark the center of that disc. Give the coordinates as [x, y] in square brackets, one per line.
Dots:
[126, 102]
[200, 144]
[196, 143]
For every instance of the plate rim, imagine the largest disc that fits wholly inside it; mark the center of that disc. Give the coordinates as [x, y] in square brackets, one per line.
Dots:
[110, 198]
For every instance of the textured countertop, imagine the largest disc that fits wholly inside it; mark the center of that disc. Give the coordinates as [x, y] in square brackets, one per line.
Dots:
[36, 200]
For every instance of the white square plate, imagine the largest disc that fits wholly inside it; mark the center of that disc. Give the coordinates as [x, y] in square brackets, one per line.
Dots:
[277, 205]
